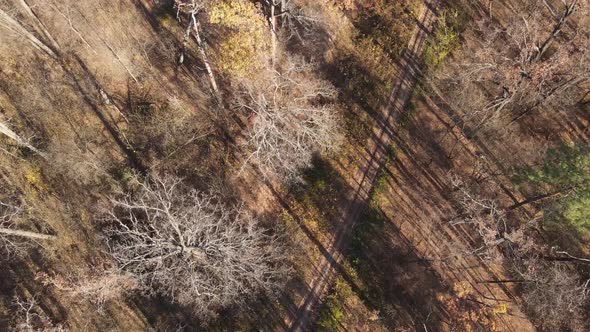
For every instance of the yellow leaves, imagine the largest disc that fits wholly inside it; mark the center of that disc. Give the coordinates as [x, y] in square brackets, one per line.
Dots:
[445, 39]
[234, 13]
[167, 22]
[243, 50]
[237, 53]
[463, 289]
[500, 309]
[35, 178]
[465, 315]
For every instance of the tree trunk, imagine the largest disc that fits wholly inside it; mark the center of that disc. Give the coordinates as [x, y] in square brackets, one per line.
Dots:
[504, 281]
[27, 234]
[185, 38]
[40, 26]
[12, 24]
[273, 32]
[538, 198]
[569, 10]
[201, 47]
[553, 91]
[568, 258]
[20, 141]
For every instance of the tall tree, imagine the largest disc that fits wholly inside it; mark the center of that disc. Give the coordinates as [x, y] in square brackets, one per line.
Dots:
[291, 118]
[554, 294]
[507, 71]
[565, 174]
[244, 48]
[191, 247]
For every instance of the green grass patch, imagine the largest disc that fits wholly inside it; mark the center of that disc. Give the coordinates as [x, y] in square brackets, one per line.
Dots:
[565, 171]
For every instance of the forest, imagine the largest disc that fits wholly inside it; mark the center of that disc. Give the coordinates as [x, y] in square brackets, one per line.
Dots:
[295, 165]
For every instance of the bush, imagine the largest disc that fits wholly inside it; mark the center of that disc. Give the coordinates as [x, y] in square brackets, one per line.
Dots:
[445, 39]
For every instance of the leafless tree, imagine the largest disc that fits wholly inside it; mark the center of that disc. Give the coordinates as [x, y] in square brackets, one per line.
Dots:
[554, 294]
[286, 17]
[7, 215]
[490, 220]
[484, 214]
[552, 291]
[9, 23]
[291, 118]
[560, 21]
[507, 72]
[191, 247]
[30, 318]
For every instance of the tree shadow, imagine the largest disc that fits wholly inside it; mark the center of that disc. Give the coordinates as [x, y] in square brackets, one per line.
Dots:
[401, 285]
[19, 278]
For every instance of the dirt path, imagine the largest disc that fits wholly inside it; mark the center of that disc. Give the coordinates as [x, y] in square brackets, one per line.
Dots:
[365, 175]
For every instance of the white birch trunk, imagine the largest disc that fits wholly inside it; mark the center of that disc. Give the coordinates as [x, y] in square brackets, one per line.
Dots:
[195, 25]
[40, 26]
[27, 234]
[11, 24]
[19, 140]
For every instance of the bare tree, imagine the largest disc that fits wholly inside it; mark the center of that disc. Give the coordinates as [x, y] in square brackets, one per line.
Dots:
[191, 247]
[554, 294]
[9, 23]
[285, 16]
[31, 318]
[480, 209]
[291, 118]
[296, 20]
[484, 214]
[561, 19]
[506, 71]
[553, 291]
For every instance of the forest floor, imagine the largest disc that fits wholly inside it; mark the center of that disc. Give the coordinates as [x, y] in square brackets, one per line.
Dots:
[395, 211]
[364, 176]
[372, 222]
